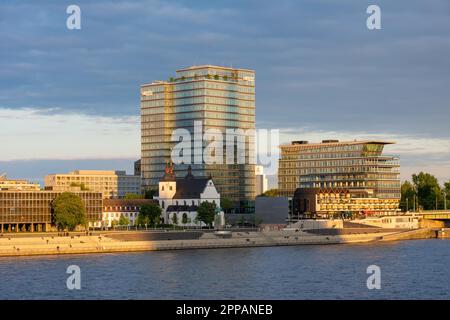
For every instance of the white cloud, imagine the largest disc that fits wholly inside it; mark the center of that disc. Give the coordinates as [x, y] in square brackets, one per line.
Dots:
[48, 134]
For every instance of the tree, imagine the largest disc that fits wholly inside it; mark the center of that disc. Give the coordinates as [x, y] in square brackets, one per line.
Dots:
[175, 219]
[407, 196]
[428, 190]
[124, 221]
[81, 185]
[206, 212]
[184, 218]
[149, 214]
[130, 196]
[226, 204]
[68, 211]
[270, 193]
[149, 194]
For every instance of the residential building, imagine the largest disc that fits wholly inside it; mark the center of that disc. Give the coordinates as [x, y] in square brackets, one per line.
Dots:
[359, 166]
[113, 209]
[19, 185]
[215, 97]
[112, 184]
[31, 210]
[261, 182]
[182, 196]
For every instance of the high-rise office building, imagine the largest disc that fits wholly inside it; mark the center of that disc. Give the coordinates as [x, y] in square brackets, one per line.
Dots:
[358, 166]
[217, 98]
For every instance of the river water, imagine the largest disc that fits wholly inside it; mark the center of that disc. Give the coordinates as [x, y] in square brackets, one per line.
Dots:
[418, 269]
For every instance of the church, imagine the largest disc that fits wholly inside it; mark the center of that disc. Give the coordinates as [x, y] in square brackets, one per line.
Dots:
[181, 197]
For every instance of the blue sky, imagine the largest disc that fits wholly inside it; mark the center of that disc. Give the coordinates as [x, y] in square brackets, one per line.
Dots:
[320, 73]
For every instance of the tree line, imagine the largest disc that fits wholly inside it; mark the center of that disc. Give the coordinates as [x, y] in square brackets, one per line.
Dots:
[424, 192]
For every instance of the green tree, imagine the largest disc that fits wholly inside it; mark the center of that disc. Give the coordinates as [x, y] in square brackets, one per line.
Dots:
[206, 212]
[226, 204]
[184, 218]
[407, 199]
[270, 193]
[428, 190]
[130, 196]
[81, 185]
[149, 194]
[175, 219]
[149, 214]
[68, 211]
[124, 221]
[216, 77]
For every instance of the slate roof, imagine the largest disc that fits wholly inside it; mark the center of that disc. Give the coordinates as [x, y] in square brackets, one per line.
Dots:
[179, 208]
[190, 187]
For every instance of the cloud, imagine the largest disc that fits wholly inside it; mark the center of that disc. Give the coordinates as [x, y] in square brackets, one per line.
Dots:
[51, 134]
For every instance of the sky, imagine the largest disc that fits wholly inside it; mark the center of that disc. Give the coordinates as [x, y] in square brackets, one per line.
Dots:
[70, 98]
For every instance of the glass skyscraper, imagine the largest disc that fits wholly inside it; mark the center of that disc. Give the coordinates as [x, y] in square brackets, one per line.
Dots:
[217, 97]
[359, 166]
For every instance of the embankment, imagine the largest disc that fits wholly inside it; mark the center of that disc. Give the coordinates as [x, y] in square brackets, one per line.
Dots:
[154, 241]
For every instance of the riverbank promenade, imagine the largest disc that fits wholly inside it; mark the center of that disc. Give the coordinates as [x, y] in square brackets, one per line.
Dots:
[107, 242]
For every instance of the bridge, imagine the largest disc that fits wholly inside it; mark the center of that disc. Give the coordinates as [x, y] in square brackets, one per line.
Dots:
[434, 214]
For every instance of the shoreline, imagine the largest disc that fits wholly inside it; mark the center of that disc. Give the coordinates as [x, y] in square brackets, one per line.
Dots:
[120, 242]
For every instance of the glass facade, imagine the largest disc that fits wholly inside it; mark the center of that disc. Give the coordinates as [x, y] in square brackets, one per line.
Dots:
[218, 97]
[351, 165]
[35, 206]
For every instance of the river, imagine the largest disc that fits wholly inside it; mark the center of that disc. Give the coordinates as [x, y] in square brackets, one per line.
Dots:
[416, 269]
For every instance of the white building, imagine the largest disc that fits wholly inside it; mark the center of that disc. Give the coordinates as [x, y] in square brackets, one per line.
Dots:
[260, 180]
[113, 209]
[181, 197]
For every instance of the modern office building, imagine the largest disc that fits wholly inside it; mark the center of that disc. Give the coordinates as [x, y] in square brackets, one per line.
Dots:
[14, 184]
[215, 97]
[359, 166]
[31, 210]
[261, 182]
[112, 184]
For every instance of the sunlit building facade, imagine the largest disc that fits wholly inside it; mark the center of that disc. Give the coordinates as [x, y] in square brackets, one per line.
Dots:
[216, 97]
[32, 210]
[112, 184]
[359, 166]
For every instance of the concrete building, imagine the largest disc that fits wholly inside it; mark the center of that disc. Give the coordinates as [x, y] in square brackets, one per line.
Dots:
[216, 97]
[113, 209]
[272, 210]
[261, 183]
[112, 184]
[359, 166]
[182, 196]
[333, 202]
[19, 185]
[31, 210]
